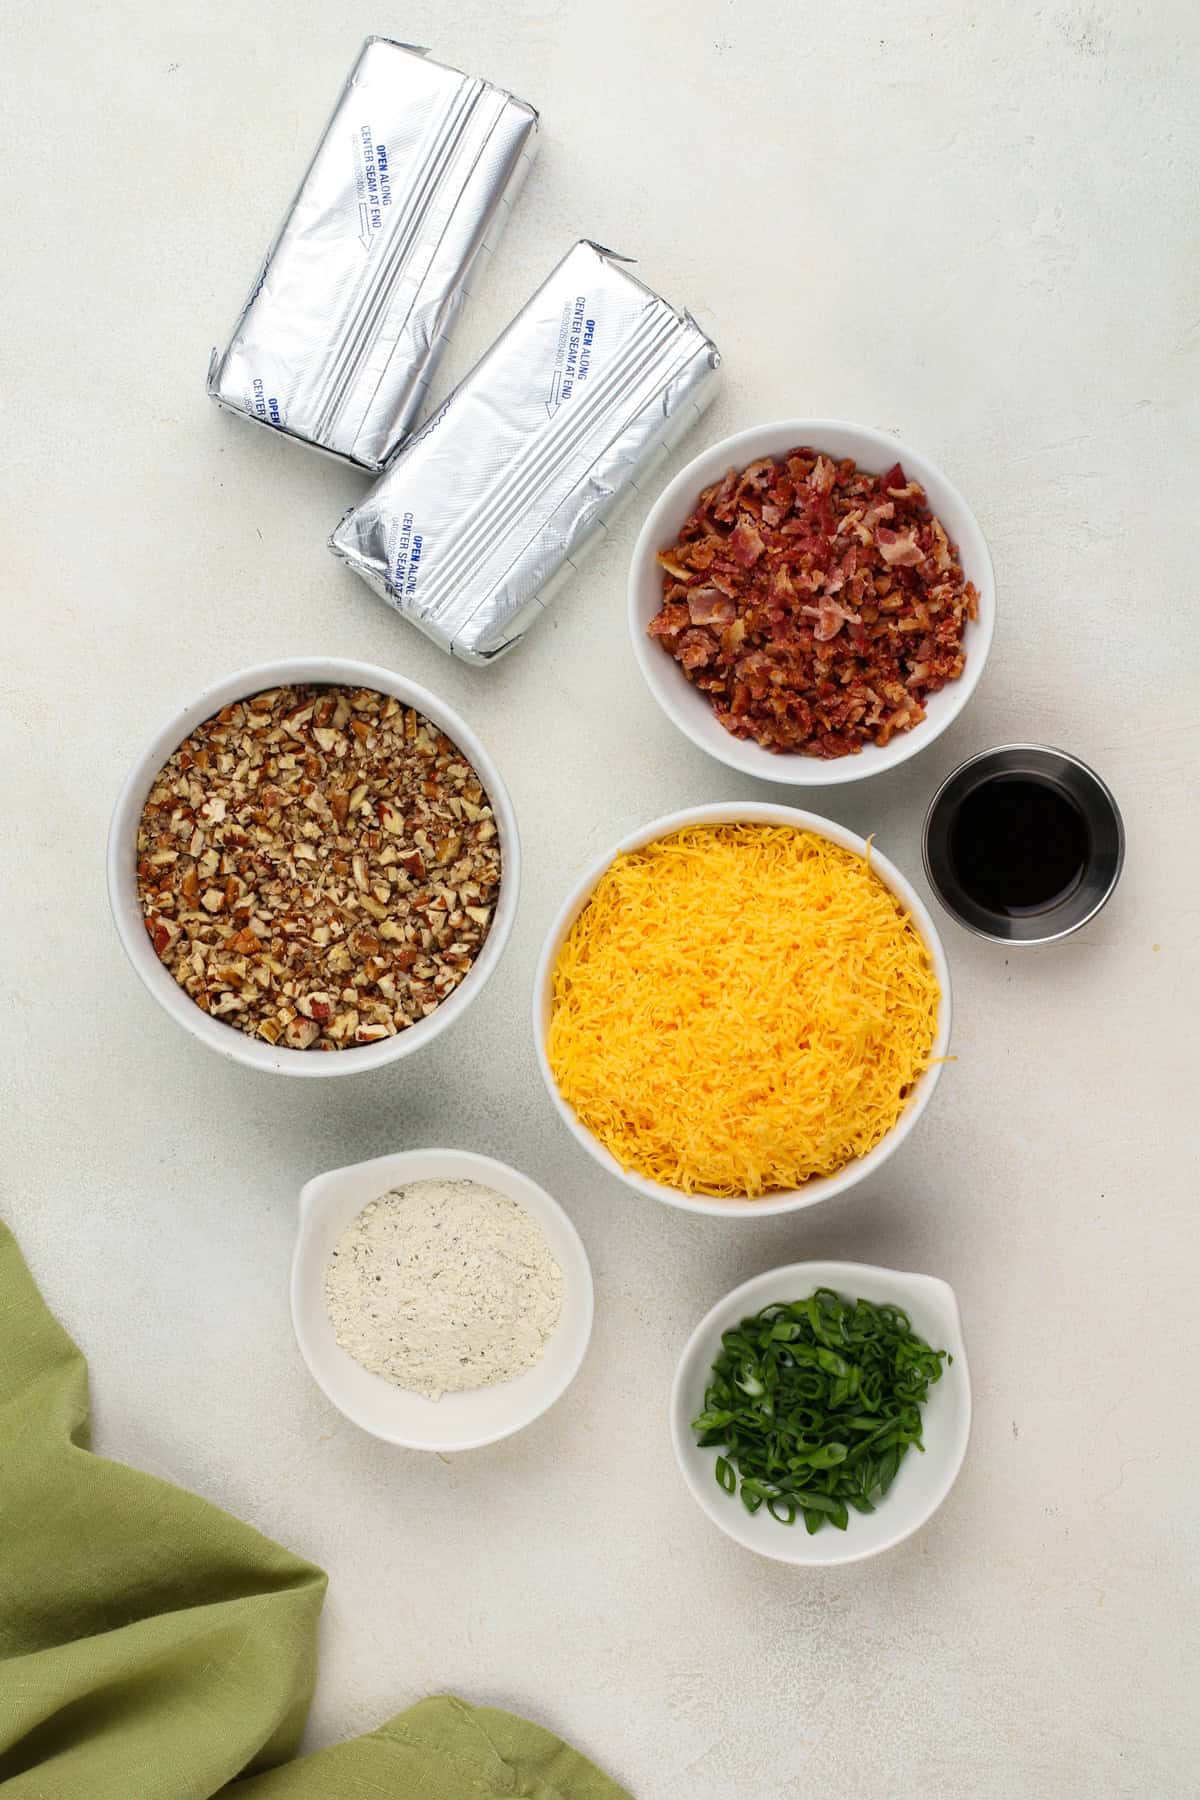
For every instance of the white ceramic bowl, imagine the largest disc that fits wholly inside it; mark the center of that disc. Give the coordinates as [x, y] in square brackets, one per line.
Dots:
[823, 1187]
[456, 1421]
[122, 870]
[923, 1480]
[874, 451]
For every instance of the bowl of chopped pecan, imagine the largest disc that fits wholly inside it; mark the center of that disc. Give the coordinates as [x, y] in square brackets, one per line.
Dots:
[314, 866]
[811, 602]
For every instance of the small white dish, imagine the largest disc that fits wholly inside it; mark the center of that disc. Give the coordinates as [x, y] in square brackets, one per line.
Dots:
[689, 709]
[923, 1480]
[823, 1187]
[457, 1421]
[130, 921]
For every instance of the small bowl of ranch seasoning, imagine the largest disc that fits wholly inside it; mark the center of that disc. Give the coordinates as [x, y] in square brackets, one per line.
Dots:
[441, 1300]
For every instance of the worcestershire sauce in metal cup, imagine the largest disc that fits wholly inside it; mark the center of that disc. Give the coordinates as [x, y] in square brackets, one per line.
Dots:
[1023, 844]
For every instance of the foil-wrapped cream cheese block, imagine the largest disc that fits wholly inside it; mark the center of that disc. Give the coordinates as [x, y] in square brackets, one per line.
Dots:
[403, 201]
[486, 512]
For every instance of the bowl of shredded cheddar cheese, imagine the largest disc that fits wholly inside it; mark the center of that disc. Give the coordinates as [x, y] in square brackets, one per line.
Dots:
[742, 1009]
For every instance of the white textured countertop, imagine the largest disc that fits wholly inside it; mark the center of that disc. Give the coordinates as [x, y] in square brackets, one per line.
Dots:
[969, 225]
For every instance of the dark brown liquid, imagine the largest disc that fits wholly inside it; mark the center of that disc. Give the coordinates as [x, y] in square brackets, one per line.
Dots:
[1018, 845]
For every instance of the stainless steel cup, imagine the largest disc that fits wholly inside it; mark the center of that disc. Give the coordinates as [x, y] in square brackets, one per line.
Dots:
[1101, 867]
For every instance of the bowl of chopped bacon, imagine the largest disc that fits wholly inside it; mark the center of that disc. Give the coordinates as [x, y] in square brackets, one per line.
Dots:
[811, 602]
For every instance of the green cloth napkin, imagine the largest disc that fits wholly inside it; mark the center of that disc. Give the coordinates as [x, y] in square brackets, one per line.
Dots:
[153, 1648]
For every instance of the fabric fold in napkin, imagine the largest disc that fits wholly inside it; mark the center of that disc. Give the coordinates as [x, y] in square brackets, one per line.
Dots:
[154, 1648]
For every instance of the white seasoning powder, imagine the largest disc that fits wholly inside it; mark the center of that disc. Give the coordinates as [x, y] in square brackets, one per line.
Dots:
[442, 1286]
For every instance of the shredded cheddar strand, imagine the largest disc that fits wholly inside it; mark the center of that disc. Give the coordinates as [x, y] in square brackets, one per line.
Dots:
[740, 1008]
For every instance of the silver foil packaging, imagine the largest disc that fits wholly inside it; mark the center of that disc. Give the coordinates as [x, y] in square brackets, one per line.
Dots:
[488, 509]
[407, 193]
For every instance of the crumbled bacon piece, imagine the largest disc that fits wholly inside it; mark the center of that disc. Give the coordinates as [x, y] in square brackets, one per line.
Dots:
[746, 545]
[708, 606]
[899, 549]
[817, 606]
[670, 621]
[695, 648]
[830, 618]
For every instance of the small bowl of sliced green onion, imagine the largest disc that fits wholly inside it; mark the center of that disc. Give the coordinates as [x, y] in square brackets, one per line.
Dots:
[820, 1412]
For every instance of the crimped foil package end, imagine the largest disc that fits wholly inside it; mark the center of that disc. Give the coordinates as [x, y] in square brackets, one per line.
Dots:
[404, 200]
[486, 512]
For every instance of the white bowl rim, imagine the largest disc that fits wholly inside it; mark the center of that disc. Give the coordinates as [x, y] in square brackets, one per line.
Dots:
[460, 1165]
[842, 1276]
[754, 812]
[661, 676]
[226, 1040]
